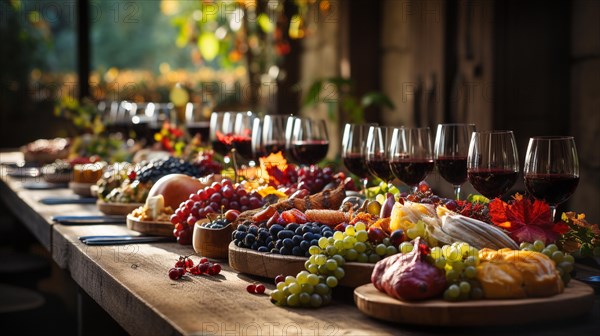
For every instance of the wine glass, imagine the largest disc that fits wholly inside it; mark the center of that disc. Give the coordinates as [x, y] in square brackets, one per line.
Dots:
[196, 122]
[221, 129]
[450, 153]
[242, 134]
[273, 137]
[493, 163]
[310, 142]
[411, 155]
[354, 152]
[551, 169]
[289, 131]
[378, 141]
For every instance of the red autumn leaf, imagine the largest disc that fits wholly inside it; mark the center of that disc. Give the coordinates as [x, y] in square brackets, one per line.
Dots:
[561, 228]
[530, 233]
[498, 214]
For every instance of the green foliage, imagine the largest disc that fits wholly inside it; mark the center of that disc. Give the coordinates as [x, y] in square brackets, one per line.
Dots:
[83, 114]
[353, 107]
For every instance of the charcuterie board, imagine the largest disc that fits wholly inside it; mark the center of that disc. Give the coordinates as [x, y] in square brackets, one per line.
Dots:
[121, 209]
[149, 227]
[269, 265]
[577, 299]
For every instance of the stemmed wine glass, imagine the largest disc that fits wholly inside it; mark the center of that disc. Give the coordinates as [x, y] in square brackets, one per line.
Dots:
[551, 169]
[411, 155]
[196, 123]
[272, 135]
[242, 134]
[493, 163]
[450, 153]
[378, 141]
[354, 152]
[221, 129]
[310, 142]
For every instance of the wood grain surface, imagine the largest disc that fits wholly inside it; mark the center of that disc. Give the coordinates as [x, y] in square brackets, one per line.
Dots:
[577, 299]
[117, 209]
[131, 283]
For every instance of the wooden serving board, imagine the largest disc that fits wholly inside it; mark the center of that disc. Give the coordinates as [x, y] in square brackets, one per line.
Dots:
[150, 228]
[270, 265]
[577, 299]
[117, 209]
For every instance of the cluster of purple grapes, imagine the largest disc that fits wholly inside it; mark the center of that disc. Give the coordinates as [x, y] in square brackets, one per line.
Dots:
[206, 164]
[312, 178]
[220, 196]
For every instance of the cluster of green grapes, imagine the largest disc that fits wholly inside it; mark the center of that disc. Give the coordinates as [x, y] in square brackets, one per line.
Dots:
[564, 261]
[325, 267]
[459, 261]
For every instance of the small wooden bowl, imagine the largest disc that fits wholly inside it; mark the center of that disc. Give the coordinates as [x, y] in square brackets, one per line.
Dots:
[212, 243]
[117, 209]
[81, 189]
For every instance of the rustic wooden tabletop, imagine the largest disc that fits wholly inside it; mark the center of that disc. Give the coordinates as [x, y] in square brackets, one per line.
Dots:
[130, 282]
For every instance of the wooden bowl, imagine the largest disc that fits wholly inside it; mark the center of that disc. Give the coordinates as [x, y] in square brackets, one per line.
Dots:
[117, 209]
[212, 243]
[81, 189]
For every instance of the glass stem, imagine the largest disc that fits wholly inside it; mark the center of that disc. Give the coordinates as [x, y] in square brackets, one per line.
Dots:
[414, 189]
[553, 212]
[457, 192]
[235, 166]
[364, 182]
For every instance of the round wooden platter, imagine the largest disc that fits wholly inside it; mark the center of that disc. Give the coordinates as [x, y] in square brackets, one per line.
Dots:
[117, 209]
[150, 228]
[269, 265]
[577, 299]
[81, 189]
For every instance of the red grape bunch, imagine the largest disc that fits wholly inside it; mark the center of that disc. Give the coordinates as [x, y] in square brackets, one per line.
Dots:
[220, 196]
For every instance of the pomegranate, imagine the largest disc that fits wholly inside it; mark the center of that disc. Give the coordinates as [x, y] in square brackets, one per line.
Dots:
[175, 188]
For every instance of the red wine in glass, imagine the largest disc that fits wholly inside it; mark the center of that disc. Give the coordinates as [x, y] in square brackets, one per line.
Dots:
[310, 152]
[380, 167]
[310, 142]
[551, 169]
[492, 182]
[450, 152]
[412, 172]
[493, 163]
[243, 145]
[357, 164]
[411, 155]
[552, 188]
[274, 147]
[452, 169]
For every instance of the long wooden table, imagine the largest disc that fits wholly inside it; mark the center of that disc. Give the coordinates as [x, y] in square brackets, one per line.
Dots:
[130, 282]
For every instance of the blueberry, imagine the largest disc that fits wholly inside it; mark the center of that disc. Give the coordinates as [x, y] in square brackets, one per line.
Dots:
[285, 234]
[254, 246]
[297, 251]
[317, 236]
[296, 240]
[316, 229]
[274, 250]
[253, 229]
[306, 254]
[242, 227]
[240, 243]
[298, 231]
[308, 236]
[269, 239]
[292, 226]
[304, 245]
[271, 245]
[285, 251]
[327, 234]
[240, 235]
[288, 243]
[263, 235]
[314, 242]
[279, 243]
[263, 249]
[306, 228]
[250, 239]
[275, 228]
